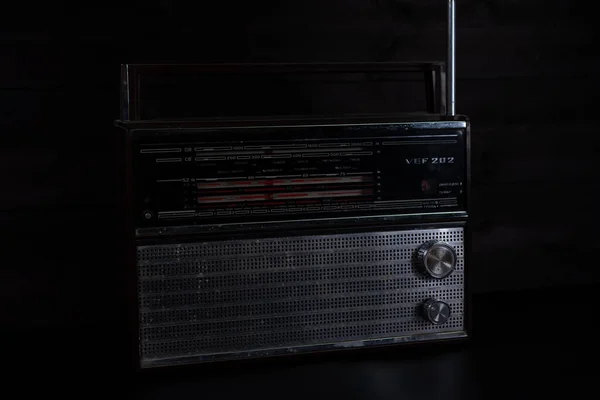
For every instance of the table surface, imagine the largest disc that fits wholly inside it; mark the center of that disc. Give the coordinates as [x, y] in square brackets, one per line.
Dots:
[525, 344]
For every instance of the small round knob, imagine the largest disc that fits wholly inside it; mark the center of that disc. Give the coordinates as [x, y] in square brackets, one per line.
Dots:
[436, 259]
[435, 311]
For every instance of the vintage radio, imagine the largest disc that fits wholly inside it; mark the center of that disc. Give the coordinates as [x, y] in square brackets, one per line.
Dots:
[251, 238]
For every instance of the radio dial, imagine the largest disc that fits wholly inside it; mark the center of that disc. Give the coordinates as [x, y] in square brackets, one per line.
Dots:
[436, 259]
[435, 311]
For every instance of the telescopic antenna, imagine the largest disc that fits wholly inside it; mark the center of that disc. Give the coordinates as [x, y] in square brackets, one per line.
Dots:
[451, 64]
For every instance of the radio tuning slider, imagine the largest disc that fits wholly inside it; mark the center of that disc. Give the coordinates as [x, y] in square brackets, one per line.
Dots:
[436, 259]
[435, 311]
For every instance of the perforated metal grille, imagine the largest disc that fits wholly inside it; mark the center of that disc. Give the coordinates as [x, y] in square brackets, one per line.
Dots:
[199, 299]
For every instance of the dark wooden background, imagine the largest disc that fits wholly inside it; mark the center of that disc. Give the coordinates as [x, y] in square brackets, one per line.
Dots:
[527, 78]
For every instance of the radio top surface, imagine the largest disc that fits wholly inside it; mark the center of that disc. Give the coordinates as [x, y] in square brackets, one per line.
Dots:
[200, 175]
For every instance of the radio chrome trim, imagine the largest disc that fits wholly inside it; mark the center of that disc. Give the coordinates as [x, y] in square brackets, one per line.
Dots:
[175, 126]
[357, 344]
[211, 228]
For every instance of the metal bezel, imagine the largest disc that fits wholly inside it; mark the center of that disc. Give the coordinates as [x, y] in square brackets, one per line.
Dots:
[423, 253]
[427, 306]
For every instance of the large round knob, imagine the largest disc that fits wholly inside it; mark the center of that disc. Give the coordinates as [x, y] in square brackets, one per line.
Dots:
[435, 311]
[436, 259]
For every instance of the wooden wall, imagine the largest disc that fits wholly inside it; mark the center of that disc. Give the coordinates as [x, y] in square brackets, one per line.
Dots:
[527, 78]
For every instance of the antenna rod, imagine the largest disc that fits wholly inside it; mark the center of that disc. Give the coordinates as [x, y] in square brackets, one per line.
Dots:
[451, 72]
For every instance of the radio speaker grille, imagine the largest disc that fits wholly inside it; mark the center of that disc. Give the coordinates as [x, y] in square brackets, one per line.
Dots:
[230, 299]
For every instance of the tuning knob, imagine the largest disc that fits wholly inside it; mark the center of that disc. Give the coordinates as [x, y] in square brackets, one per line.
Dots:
[435, 311]
[436, 259]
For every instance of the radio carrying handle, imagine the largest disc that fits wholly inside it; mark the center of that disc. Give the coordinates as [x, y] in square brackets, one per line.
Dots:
[440, 82]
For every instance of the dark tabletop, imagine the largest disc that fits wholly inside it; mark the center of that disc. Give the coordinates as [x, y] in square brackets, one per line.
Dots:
[524, 345]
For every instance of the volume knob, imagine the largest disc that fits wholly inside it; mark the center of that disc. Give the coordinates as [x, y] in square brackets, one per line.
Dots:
[435, 311]
[436, 259]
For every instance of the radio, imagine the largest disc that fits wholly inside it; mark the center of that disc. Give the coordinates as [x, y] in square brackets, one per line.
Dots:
[252, 238]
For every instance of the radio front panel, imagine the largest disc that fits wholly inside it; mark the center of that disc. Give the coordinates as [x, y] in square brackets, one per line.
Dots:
[252, 241]
[270, 174]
